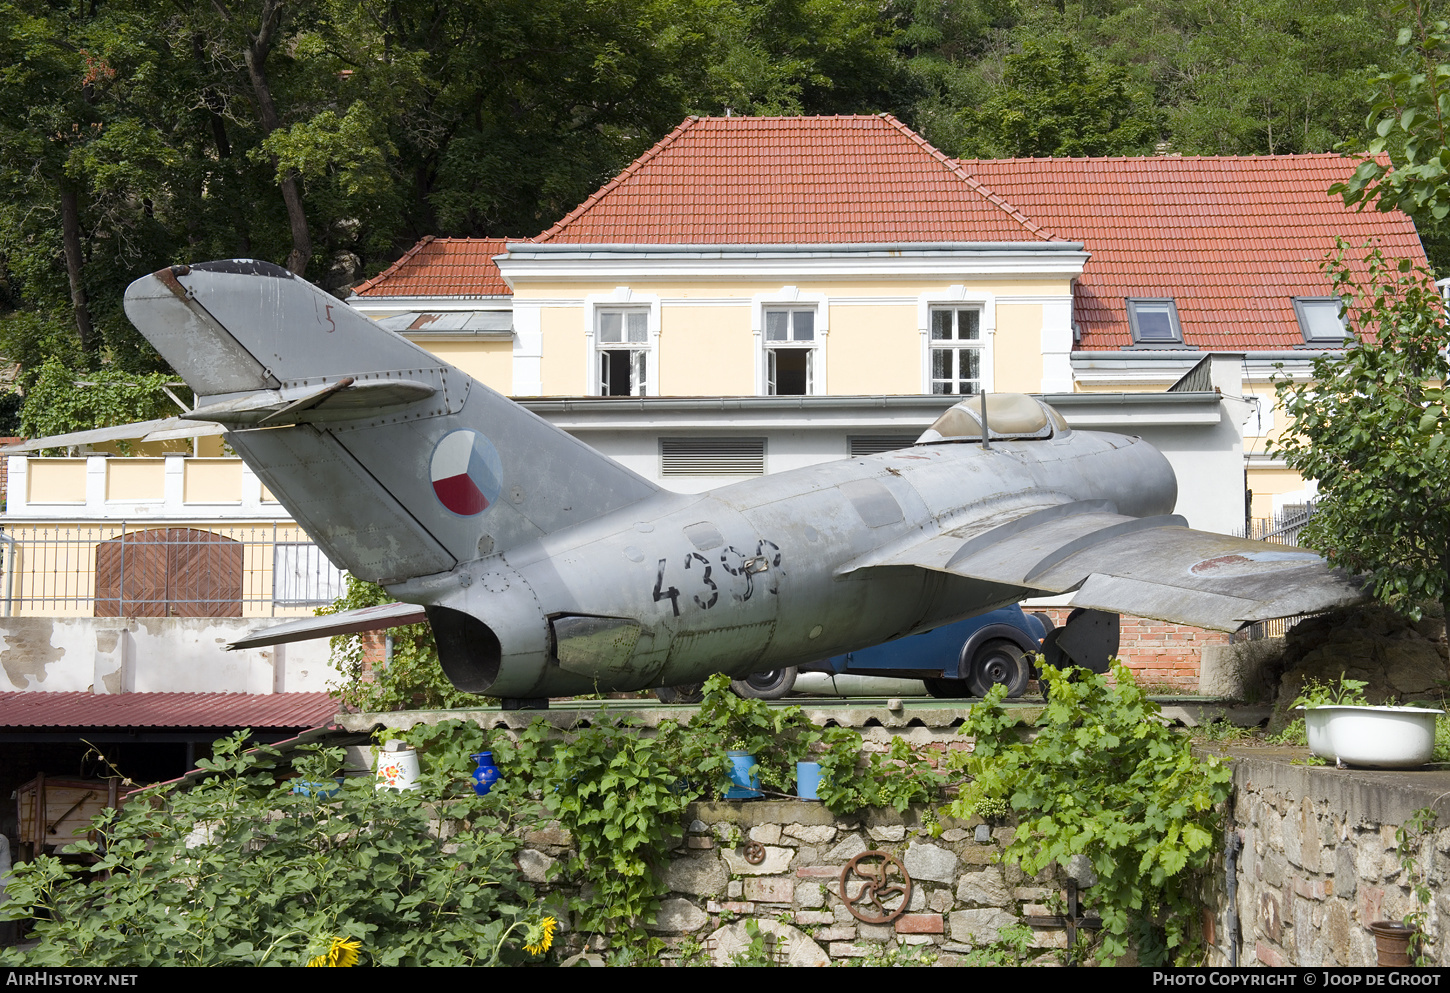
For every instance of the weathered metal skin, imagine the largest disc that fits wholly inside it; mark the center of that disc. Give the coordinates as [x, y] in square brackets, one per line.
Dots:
[548, 569]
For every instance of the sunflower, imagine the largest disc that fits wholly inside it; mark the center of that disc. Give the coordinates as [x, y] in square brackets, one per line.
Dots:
[341, 952]
[540, 936]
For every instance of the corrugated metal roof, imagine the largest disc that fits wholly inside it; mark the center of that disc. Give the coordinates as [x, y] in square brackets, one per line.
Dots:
[792, 180]
[153, 710]
[443, 267]
[1231, 239]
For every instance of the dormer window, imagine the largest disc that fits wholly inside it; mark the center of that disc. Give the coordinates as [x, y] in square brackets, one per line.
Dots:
[1154, 322]
[1320, 322]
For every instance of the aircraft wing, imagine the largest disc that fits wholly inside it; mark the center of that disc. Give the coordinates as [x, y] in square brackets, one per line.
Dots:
[388, 615]
[1150, 567]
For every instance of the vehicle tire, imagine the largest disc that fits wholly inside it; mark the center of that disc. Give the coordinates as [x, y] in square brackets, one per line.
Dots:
[947, 689]
[769, 685]
[999, 662]
[684, 693]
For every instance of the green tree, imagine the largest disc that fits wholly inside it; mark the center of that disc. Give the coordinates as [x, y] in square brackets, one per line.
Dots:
[1057, 101]
[1371, 427]
[56, 403]
[1406, 165]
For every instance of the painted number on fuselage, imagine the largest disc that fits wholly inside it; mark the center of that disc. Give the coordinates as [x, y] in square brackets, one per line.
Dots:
[735, 562]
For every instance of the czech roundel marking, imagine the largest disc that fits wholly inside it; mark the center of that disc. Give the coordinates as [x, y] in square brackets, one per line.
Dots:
[466, 472]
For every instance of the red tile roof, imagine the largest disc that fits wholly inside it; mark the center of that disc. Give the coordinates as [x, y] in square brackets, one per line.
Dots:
[792, 180]
[152, 710]
[1233, 240]
[455, 267]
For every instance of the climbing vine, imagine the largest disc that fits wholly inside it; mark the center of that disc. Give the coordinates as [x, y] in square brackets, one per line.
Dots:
[1102, 776]
[56, 403]
[407, 679]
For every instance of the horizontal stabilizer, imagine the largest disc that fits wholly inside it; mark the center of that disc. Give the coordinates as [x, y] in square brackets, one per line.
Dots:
[161, 429]
[388, 615]
[1150, 567]
[347, 398]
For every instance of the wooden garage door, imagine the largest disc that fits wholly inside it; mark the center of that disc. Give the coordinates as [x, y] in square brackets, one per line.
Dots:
[169, 572]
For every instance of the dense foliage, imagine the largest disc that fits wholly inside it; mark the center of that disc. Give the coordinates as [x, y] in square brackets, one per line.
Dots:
[240, 870]
[1407, 162]
[1371, 426]
[1102, 776]
[56, 403]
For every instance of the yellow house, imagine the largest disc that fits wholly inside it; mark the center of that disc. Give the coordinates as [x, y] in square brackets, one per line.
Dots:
[846, 257]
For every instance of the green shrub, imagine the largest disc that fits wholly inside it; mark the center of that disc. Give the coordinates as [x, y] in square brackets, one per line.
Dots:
[239, 870]
[1102, 776]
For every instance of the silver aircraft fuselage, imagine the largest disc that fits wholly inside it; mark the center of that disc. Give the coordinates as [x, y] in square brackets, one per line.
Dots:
[750, 576]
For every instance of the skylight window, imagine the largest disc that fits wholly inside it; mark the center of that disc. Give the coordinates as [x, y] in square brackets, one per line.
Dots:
[1320, 321]
[1154, 322]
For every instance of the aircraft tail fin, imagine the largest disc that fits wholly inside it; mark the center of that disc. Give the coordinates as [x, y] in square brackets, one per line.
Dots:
[397, 464]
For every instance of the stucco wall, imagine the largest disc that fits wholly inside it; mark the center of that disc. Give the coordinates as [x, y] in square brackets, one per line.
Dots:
[153, 655]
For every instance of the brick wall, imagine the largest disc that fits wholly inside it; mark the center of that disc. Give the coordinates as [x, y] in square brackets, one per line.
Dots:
[1160, 654]
[5, 471]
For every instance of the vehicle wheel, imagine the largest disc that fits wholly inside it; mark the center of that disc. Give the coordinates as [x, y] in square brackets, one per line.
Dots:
[684, 693]
[999, 662]
[769, 685]
[947, 689]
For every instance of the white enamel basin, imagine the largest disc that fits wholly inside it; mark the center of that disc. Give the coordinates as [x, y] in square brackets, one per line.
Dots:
[1386, 737]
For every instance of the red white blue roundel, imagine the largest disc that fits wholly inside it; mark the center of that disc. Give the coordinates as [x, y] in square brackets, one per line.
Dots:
[466, 472]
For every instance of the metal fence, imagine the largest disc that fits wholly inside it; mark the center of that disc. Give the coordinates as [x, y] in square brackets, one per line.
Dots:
[1282, 529]
[138, 569]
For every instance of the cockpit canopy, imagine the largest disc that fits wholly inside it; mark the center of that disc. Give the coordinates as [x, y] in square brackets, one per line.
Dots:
[1010, 417]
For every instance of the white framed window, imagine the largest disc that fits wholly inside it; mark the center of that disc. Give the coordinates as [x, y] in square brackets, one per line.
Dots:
[957, 326]
[622, 342]
[622, 335]
[790, 351]
[957, 346]
[790, 329]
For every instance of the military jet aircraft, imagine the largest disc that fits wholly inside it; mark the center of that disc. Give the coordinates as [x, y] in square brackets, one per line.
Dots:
[546, 568]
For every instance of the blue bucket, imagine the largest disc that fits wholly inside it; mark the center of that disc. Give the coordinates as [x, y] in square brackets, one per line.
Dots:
[744, 777]
[807, 778]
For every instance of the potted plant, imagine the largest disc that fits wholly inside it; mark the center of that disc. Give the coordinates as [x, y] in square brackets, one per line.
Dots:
[1342, 725]
[762, 743]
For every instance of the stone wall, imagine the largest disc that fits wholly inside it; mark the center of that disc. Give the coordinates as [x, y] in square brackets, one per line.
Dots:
[1320, 863]
[960, 896]
[1317, 865]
